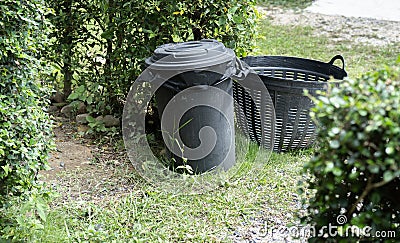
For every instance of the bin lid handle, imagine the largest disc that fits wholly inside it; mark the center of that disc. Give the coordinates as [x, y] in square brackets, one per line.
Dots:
[241, 69]
[337, 57]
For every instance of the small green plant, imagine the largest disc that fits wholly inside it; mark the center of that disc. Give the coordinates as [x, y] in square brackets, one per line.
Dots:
[103, 134]
[96, 126]
[176, 164]
[356, 170]
[28, 214]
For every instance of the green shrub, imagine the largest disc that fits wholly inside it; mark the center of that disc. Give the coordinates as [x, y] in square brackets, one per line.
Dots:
[111, 39]
[24, 124]
[357, 167]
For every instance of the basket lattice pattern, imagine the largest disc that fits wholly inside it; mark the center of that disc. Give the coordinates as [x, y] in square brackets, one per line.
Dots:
[286, 78]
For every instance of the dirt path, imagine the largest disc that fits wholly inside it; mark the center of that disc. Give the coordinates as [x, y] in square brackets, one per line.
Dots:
[82, 170]
[386, 9]
[70, 153]
[338, 28]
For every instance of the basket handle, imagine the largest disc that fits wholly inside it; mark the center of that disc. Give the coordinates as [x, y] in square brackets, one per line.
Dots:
[337, 57]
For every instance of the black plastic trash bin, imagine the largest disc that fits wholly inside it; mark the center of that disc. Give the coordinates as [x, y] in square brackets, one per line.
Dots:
[204, 64]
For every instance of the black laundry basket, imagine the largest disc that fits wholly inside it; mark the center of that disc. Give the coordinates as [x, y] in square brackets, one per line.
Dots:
[286, 78]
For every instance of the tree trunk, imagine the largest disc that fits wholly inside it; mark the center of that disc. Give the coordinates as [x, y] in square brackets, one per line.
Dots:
[68, 41]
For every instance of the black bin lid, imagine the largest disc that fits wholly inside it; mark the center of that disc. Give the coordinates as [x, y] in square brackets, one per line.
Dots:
[190, 55]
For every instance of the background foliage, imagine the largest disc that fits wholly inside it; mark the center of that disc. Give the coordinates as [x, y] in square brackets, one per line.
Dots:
[103, 44]
[357, 167]
[24, 124]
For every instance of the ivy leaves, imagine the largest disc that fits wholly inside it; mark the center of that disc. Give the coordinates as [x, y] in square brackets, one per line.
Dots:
[25, 128]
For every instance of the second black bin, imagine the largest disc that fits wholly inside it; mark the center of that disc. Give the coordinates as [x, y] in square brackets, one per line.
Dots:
[286, 78]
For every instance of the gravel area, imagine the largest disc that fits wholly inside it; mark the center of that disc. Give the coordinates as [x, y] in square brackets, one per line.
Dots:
[360, 30]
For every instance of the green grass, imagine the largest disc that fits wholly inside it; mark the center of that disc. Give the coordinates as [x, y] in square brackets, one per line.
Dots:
[268, 192]
[151, 215]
